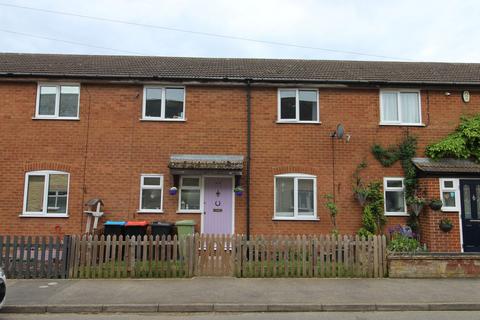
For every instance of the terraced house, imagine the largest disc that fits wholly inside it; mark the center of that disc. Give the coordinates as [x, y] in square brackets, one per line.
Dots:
[128, 129]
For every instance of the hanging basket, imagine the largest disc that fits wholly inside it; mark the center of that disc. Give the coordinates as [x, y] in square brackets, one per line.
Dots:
[416, 208]
[361, 198]
[436, 205]
[173, 191]
[445, 226]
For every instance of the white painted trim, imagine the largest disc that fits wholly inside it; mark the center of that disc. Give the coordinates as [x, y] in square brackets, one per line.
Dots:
[161, 187]
[385, 189]
[296, 215]
[203, 199]
[43, 213]
[200, 187]
[456, 189]
[294, 219]
[58, 86]
[162, 115]
[399, 108]
[297, 106]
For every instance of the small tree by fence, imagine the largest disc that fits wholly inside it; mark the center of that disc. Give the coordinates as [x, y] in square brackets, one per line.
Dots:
[202, 255]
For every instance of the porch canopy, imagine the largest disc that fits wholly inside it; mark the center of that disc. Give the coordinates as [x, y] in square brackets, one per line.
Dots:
[446, 167]
[204, 164]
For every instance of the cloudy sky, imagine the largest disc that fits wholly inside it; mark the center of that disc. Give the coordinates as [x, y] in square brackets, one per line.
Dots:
[418, 30]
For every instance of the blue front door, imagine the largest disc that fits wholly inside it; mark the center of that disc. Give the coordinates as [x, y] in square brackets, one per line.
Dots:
[470, 194]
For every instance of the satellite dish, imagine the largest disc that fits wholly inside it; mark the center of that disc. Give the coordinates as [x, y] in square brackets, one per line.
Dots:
[340, 131]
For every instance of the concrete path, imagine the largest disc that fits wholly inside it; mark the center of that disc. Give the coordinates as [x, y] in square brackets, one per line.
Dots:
[232, 294]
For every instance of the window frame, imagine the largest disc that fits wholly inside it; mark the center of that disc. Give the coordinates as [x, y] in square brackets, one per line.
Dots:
[386, 188]
[162, 116]
[400, 113]
[296, 216]
[44, 212]
[297, 106]
[58, 86]
[142, 186]
[456, 189]
[200, 188]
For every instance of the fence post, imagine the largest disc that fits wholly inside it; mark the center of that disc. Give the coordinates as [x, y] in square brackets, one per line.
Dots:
[65, 256]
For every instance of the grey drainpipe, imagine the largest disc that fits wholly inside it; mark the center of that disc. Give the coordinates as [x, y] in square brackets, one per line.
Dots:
[249, 151]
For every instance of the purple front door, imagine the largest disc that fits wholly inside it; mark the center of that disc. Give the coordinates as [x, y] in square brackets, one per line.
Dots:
[218, 215]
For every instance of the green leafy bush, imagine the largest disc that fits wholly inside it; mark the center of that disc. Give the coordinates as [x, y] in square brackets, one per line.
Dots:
[463, 143]
[402, 243]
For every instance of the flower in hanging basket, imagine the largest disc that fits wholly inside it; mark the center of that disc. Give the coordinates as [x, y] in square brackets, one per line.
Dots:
[238, 191]
[436, 204]
[445, 225]
[361, 195]
[173, 191]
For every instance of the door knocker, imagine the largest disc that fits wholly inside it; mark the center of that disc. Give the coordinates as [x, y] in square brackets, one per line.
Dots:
[218, 203]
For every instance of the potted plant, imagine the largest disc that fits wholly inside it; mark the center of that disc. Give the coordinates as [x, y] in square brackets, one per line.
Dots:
[445, 224]
[173, 191]
[416, 204]
[361, 195]
[436, 204]
[238, 191]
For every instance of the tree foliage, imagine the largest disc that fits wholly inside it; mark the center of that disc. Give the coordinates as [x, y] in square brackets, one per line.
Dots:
[463, 143]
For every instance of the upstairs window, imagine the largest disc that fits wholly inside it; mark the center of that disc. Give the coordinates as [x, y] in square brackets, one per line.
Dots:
[57, 101]
[298, 105]
[151, 195]
[394, 196]
[401, 107]
[295, 197]
[46, 193]
[163, 103]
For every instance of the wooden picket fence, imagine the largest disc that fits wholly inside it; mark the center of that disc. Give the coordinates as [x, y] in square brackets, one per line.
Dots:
[221, 255]
[25, 257]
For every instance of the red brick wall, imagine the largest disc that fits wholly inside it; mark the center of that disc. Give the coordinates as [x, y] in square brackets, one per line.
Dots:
[436, 239]
[121, 147]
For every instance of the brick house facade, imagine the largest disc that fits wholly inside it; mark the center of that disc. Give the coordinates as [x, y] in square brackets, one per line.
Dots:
[111, 145]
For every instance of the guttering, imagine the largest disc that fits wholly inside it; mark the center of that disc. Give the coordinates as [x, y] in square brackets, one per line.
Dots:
[249, 152]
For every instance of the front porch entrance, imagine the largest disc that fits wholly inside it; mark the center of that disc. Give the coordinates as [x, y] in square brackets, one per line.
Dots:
[218, 214]
[470, 216]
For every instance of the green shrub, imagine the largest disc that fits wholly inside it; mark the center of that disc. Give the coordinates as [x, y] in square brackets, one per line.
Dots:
[403, 243]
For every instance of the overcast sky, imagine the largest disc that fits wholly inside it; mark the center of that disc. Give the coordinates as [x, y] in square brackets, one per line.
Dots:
[418, 30]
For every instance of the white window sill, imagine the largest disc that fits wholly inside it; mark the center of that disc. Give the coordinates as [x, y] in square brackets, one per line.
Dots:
[450, 210]
[402, 124]
[162, 120]
[295, 219]
[43, 215]
[149, 211]
[397, 214]
[189, 211]
[299, 122]
[56, 118]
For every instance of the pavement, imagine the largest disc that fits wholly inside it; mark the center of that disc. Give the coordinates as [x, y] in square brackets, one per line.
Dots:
[241, 295]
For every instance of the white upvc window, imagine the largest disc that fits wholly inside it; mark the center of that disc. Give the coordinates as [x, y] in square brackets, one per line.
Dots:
[394, 196]
[151, 193]
[58, 101]
[400, 107]
[46, 194]
[450, 194]
[190, 197]
[298, 105]
[163, 103]
[295, 197]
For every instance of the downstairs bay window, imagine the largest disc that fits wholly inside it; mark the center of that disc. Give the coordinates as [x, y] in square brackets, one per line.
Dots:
[295, 197]
[46, 194]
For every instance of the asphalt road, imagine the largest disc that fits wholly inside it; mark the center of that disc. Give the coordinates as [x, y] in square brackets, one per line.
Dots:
[426, 315]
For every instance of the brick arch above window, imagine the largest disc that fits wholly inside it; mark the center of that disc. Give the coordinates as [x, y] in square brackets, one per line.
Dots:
[42, 165]
[315, 171]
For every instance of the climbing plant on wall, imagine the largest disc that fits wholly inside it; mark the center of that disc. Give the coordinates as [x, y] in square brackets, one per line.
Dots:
[403, 152]
[463, 143]
[370, 197]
